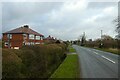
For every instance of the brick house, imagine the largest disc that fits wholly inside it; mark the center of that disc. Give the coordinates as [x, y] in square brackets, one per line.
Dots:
[50, 39]
[18, 37]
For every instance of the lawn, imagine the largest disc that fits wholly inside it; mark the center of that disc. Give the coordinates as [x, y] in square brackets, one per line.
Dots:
[69, 68]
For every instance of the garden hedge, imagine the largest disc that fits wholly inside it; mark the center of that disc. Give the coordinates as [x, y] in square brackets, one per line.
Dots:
[38, 61]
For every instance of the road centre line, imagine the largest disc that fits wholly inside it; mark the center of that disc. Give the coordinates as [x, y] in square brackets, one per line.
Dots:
[95, 52]
[108, 59]
[104, 57]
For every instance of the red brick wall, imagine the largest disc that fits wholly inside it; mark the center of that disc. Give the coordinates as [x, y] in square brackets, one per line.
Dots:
[16, 40]
[4, 37]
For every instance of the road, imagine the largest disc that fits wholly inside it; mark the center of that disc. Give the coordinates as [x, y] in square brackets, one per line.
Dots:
[97, 64]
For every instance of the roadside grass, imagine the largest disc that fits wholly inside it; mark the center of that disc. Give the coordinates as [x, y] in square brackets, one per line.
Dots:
[111, 50]
[114, 51]
[69, 68]
[71, 49]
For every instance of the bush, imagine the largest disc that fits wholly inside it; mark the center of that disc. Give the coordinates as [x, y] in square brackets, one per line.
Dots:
[37, 61]
[0, 43]
[11, 64]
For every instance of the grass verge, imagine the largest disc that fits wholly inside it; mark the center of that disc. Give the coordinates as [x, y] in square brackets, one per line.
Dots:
[114, 51]
[71, 49]
[111, 50]
[69, 68]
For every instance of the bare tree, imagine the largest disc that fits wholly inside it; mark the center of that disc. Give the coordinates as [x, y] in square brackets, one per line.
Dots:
[117, 22]
[83, 39]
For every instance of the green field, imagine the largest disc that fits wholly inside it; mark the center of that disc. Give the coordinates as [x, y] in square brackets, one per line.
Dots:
[69, 68]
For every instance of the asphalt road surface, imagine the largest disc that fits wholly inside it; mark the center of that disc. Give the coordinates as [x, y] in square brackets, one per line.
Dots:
[97, 64]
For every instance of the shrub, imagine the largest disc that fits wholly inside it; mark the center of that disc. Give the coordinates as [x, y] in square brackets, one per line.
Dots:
[11, 64]
[46, 59]
[37, 61]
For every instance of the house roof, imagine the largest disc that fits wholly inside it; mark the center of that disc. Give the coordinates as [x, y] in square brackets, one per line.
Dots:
[49, 38]
[24, 29]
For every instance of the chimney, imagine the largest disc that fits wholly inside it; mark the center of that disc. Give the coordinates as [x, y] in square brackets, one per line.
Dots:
[26, 26]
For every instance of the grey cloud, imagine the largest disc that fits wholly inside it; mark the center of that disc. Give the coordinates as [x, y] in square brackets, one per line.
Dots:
[59, 20]
[0, 20]
[26, 12]
[101, 5]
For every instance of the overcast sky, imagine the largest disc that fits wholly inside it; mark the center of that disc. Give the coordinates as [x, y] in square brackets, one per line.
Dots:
[63, 20]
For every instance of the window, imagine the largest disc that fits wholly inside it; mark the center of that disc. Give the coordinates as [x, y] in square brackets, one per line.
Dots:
[41, 38]
[9, 36]
[6, 44]
[37, 37]
[27, 43]
[37, 43]
[31, 36]
[31, 43]
[16, 47]
[24, 36]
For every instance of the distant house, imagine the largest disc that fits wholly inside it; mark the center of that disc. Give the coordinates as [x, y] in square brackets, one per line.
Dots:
[50, 39]
[18, 37]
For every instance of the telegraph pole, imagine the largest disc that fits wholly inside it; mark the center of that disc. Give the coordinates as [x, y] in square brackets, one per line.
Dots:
[101, 35]
[101, 39]
[84, 34]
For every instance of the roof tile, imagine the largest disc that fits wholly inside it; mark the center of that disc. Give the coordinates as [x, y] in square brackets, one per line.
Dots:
[24, 30]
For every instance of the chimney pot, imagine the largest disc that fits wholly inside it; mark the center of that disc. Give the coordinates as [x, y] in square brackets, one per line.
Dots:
[26, 26]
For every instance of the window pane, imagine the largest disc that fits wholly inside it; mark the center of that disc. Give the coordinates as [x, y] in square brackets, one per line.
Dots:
[6, 43]
[31, 36]
[37, 37]
[41, 38]
[9, 36]
[24, 36]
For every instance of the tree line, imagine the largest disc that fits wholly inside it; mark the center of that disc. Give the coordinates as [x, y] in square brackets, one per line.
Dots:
[106, 41]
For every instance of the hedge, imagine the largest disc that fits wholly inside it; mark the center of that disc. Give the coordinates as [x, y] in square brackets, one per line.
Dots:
[37, 61]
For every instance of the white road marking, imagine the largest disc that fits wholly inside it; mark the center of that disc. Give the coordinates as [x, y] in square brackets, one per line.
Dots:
[95, 52]
[108, 59]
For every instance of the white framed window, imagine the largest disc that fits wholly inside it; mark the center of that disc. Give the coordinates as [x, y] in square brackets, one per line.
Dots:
[37, 43]
[16, 47]
[37, 37]
[31, 43]
[31, 36]
[9, 36]
[6, 44]
[41, 38]
[25, 36]
[28, 43]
